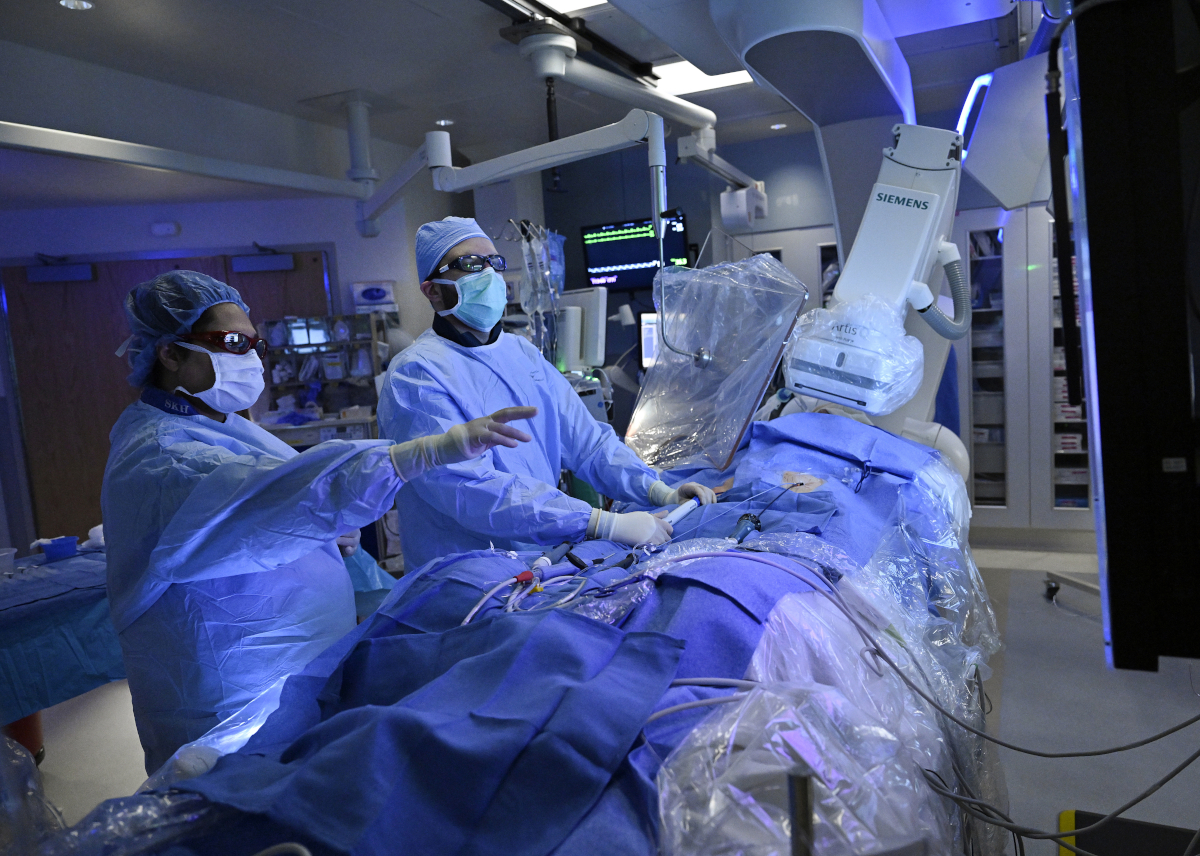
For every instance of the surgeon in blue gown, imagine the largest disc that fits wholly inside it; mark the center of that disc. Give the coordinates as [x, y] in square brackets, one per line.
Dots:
[466, 366]
[223, 569]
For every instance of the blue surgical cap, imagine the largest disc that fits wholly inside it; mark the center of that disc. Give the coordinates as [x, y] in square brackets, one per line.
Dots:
[166, 307]
[435, 239]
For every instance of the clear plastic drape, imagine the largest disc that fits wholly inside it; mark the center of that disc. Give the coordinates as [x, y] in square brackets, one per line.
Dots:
[741, 314]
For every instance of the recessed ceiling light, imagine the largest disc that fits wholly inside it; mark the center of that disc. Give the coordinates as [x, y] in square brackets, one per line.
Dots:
[445, 123]
[681, 78]
[77, 5]
[779, 126]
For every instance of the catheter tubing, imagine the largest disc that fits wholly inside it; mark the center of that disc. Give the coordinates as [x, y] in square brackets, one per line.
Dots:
[486, 598]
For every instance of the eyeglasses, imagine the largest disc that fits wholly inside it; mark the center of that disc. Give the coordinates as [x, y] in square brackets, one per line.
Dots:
[474, 264]
[230, 340]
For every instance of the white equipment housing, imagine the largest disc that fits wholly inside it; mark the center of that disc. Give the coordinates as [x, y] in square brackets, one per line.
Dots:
[909, 216]
[593, 321]
[857, 354]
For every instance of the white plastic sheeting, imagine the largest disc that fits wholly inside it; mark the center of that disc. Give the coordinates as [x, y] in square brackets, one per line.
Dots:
[857, 354]
[25, 813]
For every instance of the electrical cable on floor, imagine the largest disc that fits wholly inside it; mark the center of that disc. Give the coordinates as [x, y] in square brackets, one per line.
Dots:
[1194, 846]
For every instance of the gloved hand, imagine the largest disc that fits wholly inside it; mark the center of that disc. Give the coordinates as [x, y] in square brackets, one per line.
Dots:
[661, 495]
[633, 528]
[348, 543]
[460, 443]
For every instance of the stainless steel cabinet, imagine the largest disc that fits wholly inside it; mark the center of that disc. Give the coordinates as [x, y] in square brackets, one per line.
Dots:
[994, 366]
[1028, 447]
[1061, 488]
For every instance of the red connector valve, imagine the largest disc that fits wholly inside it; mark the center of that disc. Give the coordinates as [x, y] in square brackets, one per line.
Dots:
[525, 577]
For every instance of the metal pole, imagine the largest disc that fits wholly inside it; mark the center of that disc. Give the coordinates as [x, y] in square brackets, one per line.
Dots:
[552, 128]
[658, 200]
[800, 801]
[358, 129]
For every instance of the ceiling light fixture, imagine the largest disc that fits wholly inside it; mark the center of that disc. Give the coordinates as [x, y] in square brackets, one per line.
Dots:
[77, 5]
[681, 78]
[444, 123]
[779, 126]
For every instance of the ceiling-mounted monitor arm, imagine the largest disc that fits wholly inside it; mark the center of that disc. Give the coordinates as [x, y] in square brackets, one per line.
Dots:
[433, 152]
[638, 126]
[698, 147]
[746, 199]
[635, 128]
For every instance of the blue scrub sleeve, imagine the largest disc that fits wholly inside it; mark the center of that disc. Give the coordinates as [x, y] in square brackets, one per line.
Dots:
[594, 452]
[250, 514]
[493, 503]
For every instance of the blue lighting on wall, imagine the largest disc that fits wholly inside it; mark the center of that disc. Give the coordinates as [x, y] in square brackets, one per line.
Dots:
[971, 108]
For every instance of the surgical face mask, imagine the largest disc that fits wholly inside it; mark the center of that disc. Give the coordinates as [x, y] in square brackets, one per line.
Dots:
[481, 299]
[239, 380]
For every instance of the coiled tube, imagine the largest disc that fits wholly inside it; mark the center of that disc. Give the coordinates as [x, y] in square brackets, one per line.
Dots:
[960, 290]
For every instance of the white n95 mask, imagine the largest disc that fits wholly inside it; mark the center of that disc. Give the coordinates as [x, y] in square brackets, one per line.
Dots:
[482, 297]
[239, 379]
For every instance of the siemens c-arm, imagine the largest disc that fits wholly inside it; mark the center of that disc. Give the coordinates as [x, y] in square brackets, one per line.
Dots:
[856, 353]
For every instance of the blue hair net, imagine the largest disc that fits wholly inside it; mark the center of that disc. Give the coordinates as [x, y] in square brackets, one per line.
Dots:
[166, 307]
[435, 239]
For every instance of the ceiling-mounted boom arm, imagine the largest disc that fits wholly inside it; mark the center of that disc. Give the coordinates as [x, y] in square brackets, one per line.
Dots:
[635, 128]
[434, 152]
[553, 58]
[746, 200]
[638, 126]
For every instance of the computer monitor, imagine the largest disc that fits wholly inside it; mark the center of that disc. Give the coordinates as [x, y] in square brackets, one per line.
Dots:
[648, 337]
[1133, 235]
[624, 256]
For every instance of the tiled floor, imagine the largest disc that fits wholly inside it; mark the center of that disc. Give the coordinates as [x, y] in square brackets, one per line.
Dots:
[1023, 560]
[92, 750]
[1051, 690]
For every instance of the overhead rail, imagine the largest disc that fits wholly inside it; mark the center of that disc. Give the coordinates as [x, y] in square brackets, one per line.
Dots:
[532, 12]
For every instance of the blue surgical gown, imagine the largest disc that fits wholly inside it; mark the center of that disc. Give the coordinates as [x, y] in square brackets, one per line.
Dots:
[508, 497]
[223, 574]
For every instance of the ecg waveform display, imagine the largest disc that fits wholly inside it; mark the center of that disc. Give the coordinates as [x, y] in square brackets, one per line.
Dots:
[624, 255]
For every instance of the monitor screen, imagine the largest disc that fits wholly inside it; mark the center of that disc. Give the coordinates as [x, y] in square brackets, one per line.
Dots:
[624, 256]
[648, 337]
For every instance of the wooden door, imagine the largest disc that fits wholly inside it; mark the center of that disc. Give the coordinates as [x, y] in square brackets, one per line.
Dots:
[302, 291]
[71, 385]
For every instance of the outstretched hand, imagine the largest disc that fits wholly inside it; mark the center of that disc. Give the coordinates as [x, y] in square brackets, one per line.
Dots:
[472, 439]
